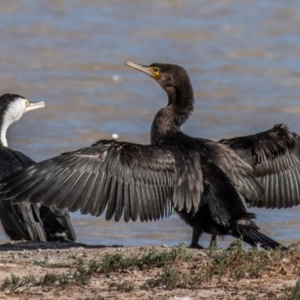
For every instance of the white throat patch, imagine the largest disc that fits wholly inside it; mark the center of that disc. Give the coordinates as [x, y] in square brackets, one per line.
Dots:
[12, 114]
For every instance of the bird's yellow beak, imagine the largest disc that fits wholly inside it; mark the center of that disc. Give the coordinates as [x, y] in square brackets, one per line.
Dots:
[151, 71]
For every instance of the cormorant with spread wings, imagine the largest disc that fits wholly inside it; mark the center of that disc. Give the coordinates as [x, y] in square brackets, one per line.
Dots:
[204, 181]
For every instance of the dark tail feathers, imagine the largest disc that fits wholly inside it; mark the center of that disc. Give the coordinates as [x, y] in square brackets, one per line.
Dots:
[256, 238]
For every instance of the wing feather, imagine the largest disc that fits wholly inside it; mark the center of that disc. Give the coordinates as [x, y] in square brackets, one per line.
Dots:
[100, 197]
[45, 186]
[142, 211]
[87, 203]
[74, 194]
[274, 156]
[111, 203]
[127, 207]
[134, 204]
[144, 199]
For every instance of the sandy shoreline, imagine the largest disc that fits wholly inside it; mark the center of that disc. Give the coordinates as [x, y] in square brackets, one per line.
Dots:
[77, 271]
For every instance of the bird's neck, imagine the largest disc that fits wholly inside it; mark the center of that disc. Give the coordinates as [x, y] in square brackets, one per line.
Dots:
[5, 122]
[3, 140]
[167, 122]
[181, 99]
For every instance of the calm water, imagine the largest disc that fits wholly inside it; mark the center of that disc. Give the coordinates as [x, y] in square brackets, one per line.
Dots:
[243, 58]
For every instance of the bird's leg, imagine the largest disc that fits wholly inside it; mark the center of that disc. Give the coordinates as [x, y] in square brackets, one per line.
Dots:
[213, 241]
[195, 239]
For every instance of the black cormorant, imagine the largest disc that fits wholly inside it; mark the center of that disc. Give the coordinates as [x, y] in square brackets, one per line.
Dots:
[24, 220]
[204, 181]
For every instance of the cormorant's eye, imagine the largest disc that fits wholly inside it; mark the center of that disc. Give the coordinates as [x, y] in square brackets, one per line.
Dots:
[155, 69]
[26, 102]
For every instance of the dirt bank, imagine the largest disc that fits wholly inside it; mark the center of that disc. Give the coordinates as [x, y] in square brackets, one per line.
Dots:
[77, 271]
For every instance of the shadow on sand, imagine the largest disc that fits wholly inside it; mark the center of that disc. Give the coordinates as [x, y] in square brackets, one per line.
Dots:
[28, 245]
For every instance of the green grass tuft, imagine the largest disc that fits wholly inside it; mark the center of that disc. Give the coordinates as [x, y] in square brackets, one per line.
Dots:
[126, 287]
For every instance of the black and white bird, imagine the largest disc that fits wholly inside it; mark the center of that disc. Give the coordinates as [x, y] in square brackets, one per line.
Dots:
[24, 220]
[204, 181]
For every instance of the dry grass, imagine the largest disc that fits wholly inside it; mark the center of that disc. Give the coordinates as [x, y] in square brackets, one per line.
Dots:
[164, 269]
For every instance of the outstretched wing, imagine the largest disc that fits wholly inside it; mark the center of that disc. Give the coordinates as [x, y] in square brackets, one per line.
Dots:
[123, 178]
[275, 158]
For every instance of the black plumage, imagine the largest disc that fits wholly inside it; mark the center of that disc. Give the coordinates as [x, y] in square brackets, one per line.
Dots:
[24, 220]
[204, 181]
[274, 156]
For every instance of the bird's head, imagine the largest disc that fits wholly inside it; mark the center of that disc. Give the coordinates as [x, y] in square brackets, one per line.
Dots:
[13, 106]
[168, 76]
